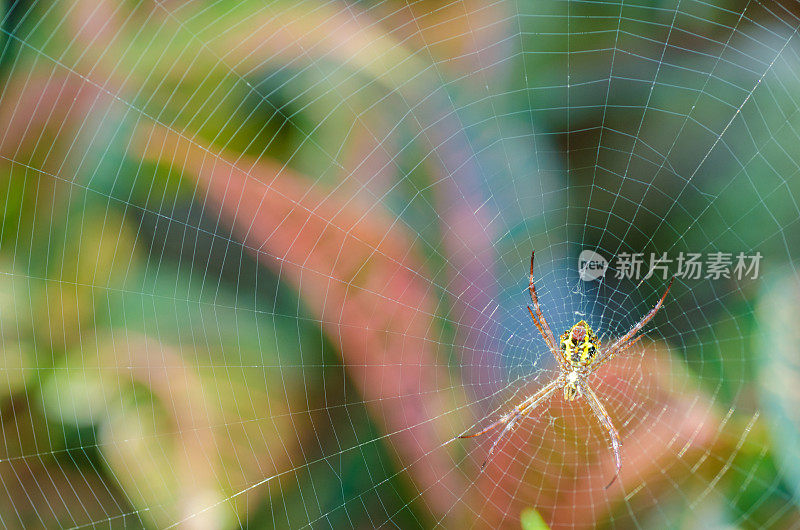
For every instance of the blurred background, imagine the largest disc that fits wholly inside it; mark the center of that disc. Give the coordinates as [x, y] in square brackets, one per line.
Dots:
[261, 262]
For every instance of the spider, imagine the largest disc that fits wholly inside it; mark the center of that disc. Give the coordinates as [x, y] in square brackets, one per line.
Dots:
[578, 354]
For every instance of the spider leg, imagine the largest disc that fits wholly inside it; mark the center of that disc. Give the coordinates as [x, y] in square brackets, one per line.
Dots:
[502, 420]
[554, 351]
[630, 344]
[620, 343]
[605, 421]
[541, 323]
[595, 365]
[520, 411]
[506, 429]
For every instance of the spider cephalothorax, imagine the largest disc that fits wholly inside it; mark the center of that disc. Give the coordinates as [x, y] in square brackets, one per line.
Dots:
[578, 355]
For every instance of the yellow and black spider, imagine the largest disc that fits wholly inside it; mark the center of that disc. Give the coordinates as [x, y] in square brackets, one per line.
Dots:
[578, 357]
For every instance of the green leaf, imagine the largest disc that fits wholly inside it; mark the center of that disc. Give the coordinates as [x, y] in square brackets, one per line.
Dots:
[530, 519]
[779, 370]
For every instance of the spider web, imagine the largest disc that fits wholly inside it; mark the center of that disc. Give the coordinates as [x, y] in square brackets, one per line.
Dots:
[262, 263]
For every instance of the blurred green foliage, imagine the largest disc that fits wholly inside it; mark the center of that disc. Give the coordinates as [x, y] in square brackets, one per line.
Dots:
[530, 519]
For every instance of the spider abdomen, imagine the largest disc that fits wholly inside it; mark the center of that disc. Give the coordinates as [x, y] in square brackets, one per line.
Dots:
[580, 345]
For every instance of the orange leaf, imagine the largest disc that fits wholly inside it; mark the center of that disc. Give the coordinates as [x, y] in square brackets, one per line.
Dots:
[40, 108]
